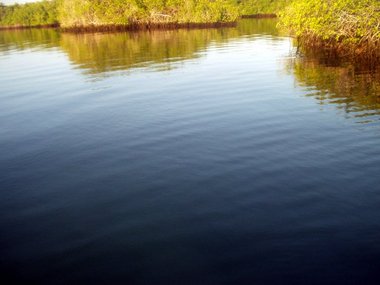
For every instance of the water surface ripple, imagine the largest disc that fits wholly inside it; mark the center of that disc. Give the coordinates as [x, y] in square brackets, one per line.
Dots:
[211, 156]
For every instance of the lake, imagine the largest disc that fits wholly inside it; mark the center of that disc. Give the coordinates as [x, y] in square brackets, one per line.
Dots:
[205, 156]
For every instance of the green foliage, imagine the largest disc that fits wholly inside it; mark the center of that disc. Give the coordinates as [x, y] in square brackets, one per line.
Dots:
[82, 13]
[253, 7]
[29, 14]
[349, 22]
[76, 13]
[2, 11]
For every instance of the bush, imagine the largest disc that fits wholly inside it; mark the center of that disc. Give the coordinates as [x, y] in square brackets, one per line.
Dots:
[82, 13]
[254, 7]
[76, 13]
[345, 24]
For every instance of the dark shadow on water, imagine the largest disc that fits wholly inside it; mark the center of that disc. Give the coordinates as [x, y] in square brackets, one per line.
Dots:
[353, 88]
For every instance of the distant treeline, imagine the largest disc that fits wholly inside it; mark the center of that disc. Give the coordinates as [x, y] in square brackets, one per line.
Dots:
[30, 14]
[350, 27]
[82, 13]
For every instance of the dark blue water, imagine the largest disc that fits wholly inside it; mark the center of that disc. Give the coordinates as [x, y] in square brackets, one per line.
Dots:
[185, 157]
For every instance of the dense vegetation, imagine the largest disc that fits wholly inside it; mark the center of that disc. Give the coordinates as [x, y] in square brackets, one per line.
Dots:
[257, 7]
[349, 27]
[79, 13]
[30, 14]
[141, 12]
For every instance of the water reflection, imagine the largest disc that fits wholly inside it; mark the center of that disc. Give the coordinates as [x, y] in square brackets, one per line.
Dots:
[355, 90]
[28, 38]
[218, 172]
[98, 53]
[159, 49]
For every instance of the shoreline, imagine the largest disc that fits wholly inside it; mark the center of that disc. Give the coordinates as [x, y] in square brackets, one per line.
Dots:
[137, 27]
[145, 27]
[366, 53]
[3, 28]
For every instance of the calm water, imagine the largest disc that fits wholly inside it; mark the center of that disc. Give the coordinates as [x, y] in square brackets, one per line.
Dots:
[212, 156]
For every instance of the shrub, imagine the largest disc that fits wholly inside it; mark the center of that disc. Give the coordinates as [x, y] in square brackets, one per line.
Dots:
[74, 13]
[352, 26]
[253, 7]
